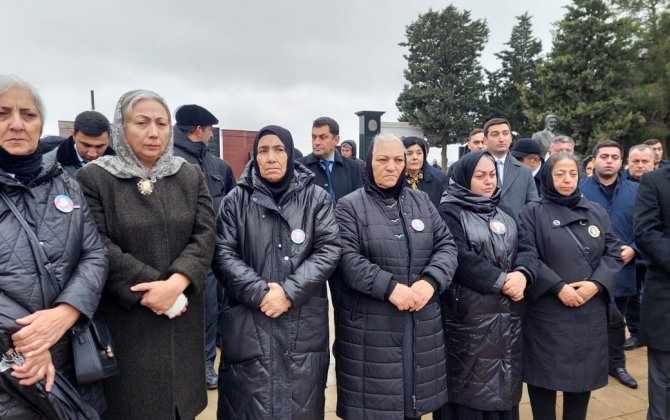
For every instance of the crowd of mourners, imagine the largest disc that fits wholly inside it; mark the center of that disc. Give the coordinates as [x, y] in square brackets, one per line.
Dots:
[521, 263]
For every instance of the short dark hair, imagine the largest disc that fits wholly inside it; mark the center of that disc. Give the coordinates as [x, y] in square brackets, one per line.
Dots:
[475, 131]
[651, 142]
[495, 121]
[607, 143]
[333, 127]
[91, 123]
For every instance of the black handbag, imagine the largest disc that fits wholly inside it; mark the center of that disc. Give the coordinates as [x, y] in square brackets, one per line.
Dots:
[92, 345]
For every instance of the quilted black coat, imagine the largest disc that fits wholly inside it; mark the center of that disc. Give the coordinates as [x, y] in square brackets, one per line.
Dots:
[275, 368]
[73, 246]
[390, 363]
[482, 325]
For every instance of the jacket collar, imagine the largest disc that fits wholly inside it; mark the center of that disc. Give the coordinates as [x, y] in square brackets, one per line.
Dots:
[195, 149]
[563, 215]
[67, 155]
[311, 159]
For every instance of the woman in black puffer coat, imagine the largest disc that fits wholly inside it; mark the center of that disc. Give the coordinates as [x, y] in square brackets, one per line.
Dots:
[54, 207]
[277, 245]
[397, 257]
[482, 308]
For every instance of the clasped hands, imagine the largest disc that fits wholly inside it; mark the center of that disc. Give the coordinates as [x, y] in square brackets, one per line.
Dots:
[275, 302]
[40, 331]
[414, 298]
[159, 296]
[514, 286]
[578, 293]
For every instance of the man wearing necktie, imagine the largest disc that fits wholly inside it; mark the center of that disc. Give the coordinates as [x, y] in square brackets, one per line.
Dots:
[515, 179]
[335, 174]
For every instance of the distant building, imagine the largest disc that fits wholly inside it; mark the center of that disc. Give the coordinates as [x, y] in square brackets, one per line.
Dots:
[400, 129]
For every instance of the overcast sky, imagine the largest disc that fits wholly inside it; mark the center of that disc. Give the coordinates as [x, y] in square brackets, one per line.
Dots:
[251, 63]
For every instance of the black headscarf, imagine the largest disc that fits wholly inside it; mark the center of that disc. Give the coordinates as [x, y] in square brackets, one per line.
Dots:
[277, 188]
[460, 178]
[547, 184]
[25, 168]
[392, 192]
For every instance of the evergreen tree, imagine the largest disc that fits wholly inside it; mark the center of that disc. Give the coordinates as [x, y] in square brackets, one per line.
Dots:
[587, 75]
[445, 90]
[517, 72]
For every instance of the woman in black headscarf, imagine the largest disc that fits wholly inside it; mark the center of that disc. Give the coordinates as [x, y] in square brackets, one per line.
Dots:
[277, 245]
[397, 257]
[565, 325]
[419, 174]
[482, 308]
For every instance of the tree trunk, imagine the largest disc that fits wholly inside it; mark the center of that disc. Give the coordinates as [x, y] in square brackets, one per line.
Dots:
[444, 156]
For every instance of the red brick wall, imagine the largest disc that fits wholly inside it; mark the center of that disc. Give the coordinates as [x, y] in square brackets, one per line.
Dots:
[237, 146]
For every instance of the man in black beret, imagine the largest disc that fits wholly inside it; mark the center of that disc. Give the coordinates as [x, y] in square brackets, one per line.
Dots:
[527, 151]
[194, 129]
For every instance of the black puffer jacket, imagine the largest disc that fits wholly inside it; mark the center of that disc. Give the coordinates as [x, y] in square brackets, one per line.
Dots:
[482, 325]
[72, 244]
[275, 368]
[390, 363]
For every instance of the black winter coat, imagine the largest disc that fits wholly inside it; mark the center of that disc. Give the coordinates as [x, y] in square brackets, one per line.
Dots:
[219, 175]
[390, 363]
[346, 174]
[73, 246]
[565, 349]
[482, 326]
[275, 368]
[66, 155]
[652, 235]
[432, 184]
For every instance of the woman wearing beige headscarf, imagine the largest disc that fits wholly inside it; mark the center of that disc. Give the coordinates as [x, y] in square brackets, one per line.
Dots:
[154, 214]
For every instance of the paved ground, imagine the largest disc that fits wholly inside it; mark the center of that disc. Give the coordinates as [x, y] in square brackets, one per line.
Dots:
[615, 401]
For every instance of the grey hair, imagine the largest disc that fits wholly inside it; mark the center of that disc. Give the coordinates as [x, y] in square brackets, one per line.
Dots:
[132, 98]
[642, 148]
[562, 139]
[561, 156]
[385, 138]
[8, 82]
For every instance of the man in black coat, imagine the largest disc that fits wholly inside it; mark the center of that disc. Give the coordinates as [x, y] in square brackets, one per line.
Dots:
[337, 175]
[652, 236]
[527, 151]
[192, 132]
[89, 141]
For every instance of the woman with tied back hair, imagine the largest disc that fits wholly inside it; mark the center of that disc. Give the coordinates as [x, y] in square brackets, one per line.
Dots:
[397, 257]
[482, 307]
[277, 245]
[565, 323]
[154, 214]
[55, 209]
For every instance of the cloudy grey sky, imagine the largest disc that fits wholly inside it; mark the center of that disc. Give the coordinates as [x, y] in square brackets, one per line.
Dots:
[251, 63]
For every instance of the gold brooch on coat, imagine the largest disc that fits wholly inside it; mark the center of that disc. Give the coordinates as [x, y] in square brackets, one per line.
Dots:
[145, 186]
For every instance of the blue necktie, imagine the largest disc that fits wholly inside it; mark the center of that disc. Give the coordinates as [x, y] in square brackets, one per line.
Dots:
[501, 170]
[327, 164]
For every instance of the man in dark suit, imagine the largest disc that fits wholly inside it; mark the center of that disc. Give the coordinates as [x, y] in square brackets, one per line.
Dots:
[652, 236]
[527, 151]
[335, 174]
[515, 180]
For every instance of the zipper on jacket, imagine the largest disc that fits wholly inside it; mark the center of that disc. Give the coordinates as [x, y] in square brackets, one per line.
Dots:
[412, 314]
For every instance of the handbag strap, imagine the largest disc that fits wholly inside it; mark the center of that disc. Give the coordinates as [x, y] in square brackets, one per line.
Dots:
[38, 252]
[581, 246]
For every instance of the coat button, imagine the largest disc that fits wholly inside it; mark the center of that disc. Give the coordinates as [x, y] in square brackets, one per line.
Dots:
[279, 245]
[286, 258]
